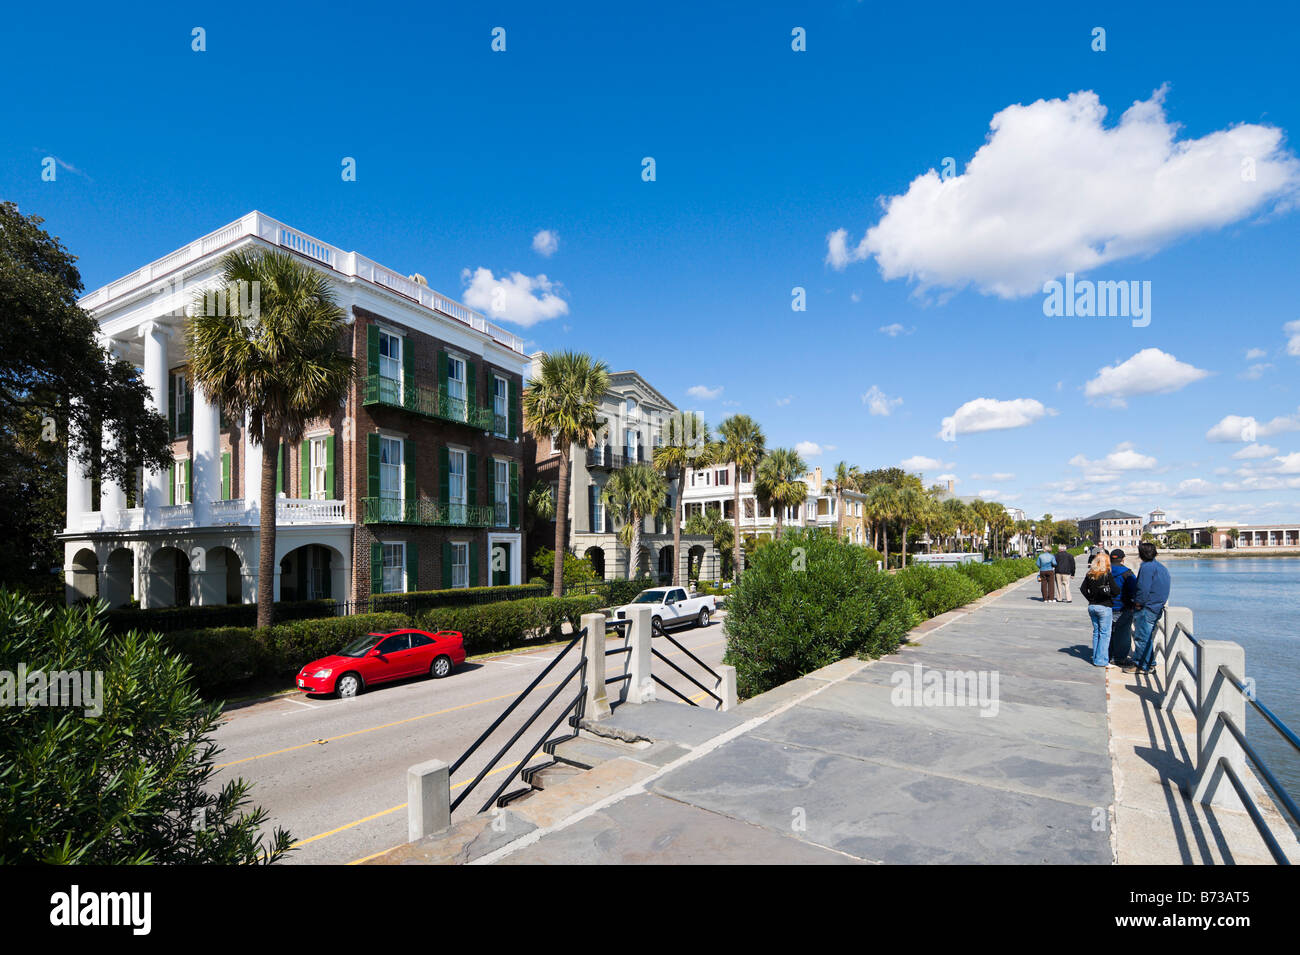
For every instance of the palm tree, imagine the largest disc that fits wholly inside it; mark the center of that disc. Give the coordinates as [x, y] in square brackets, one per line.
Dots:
[742, 444]
[282, 367]
[840, 482]
[780, 482]
[561, 404]
[686, 445]
[910, 505]
[958, 514]
[882, 506]
[634, 491]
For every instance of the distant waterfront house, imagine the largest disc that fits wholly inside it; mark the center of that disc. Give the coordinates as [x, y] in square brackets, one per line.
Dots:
[1111, 529]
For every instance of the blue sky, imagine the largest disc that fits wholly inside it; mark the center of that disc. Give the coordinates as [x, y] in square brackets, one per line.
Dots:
[762, 154]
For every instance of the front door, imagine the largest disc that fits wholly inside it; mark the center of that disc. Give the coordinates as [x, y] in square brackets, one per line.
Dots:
[500, 564]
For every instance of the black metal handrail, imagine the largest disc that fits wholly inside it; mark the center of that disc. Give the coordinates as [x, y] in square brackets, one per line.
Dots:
[657, 629]
[522, 765]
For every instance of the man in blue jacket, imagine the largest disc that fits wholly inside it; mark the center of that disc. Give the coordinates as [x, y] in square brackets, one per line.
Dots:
[1047, 575]
[1148, 603]
[1121, 627]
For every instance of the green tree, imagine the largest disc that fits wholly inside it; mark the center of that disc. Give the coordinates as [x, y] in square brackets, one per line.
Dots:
[911, 506]
[780, 483]
[742, 444]
[561, 404]
[714, 525]
[56, 380]
[133, 783]
[634, 491]
[686, 444]
[882, 507]
[283, 367]
[841, 481]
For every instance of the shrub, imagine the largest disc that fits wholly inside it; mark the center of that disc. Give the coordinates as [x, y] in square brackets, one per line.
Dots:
[415, 601]
[132, 785]
[874, 556]
[290, 646]
[171, 619]
[792, 613]
[510, 623]
[936, 590]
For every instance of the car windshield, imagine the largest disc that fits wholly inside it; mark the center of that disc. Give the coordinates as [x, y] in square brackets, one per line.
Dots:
[360, 645]
[650, 597]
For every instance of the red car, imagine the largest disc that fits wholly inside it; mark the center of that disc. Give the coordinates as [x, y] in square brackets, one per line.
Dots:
[381, 657]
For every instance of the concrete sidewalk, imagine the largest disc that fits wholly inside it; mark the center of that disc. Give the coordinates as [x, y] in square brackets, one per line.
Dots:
[842, 766]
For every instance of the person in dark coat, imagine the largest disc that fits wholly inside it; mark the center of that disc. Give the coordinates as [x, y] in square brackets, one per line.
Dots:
[1121, 627]
[1064, 572]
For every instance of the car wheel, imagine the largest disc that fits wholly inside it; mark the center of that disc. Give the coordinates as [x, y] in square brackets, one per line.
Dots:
[656, 623]
[704, 617]
[441, 667]
[349, 685]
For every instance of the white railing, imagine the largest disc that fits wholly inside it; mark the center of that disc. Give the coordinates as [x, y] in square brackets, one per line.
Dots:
[235, 511]
[176, 515]
[1210, 675]
[346, 263]
[290, 510]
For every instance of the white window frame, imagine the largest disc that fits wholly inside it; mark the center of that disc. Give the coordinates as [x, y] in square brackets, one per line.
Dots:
[501, 402]
[459, 568]
[390, 575]
[501, 480]
[392, 502]
[181, 490]
[178, 398]
[390, 365]
[457, 387]
[457, 497]
[318, 467]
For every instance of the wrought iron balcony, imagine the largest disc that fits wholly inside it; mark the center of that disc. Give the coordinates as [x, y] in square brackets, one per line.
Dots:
[605, 457]
[427, 402]
[423, 511]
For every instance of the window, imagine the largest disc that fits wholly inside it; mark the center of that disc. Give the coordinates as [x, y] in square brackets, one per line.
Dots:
[394, 568]
[396, 643]
[633, 410]
[501, 478]
[390, 479]
[633, 439]
[456, 388]
[749, 508]
[723, 478]
[501, 405]
[390, 361]
[460, 565]
[597, 510]
[180, 395]
[456, 485]
[316, 450]
[182, 488]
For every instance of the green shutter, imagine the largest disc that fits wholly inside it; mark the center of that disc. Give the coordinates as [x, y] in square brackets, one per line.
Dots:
[471, 388]
[279, 469]
[171, 405]
[171, 484]
[412, 566]
[471, 479]
[442, 370]
[514, 494]
[225, 475]
[330, 449]
[372, 465]
[444, 476]
[446, 565]
[408, 365]
[372, 350]
[184, 423]
[512, 408]
[408, 468]
[189, 481]
[492, 483]
[473, 563]
[376, 568]
[304, 468]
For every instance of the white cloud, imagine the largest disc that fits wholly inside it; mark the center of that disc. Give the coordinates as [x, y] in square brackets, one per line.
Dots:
[1253, 353]
[1292, 330]
[1149, 372]
[1194, 487]
[1246, 428]
[515, 298]
[1289, 464]
[785, 401]
[1123, 458]
[546, 242]
[919, 462]
[995, 476]
[808, 449]
[990, 414]
[942, 478]
[704, 392]
[879, 403]
[894, 330]
[988, 493]
[1255, 371]
[1255, 451]
[1054, 190]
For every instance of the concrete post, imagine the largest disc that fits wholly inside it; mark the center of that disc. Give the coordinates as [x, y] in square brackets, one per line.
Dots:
[593, 645]
[428, 799]
[1214, 742]
[1178, 672]
[726, 687]
[640, 685]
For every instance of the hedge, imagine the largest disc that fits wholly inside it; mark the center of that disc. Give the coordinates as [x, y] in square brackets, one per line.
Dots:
[510, 623]
[806, 601]
[170, 619]
[936, 590]
[418, 600]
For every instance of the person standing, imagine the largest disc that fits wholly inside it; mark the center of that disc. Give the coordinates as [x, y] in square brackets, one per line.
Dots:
[1064, 571]
[1148, 603]
[1121, 625]
[1098, 588]
[1046, 575]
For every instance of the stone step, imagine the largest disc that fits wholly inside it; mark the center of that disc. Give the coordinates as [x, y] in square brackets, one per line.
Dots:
[589, 751]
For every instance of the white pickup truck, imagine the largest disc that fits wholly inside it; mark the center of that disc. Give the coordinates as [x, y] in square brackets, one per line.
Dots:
[673, 607]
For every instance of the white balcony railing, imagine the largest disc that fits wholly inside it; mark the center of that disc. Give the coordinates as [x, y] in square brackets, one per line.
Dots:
[232, 512]
[349, 264]
[176, 515]
[290, 510]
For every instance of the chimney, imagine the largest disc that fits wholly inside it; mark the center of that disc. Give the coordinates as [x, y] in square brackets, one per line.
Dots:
[949, 485]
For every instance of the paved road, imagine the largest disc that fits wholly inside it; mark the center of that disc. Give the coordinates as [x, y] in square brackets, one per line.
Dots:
[333, 771]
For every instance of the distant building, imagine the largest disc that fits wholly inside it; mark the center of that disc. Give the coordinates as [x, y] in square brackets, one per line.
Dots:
[1156, 523]
[1111, 529]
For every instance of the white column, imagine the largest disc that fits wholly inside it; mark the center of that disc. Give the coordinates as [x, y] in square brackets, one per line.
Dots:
[252, 470]
[78, 486]
[207, 457]
[155, 336]
[112, 496]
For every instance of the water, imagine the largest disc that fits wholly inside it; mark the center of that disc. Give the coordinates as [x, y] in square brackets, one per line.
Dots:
[1254, 601]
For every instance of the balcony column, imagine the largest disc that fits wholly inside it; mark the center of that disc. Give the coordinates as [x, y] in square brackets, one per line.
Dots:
[252, 470]
[207, 457]
[112, 496]
[78, 492]
[155, 335]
